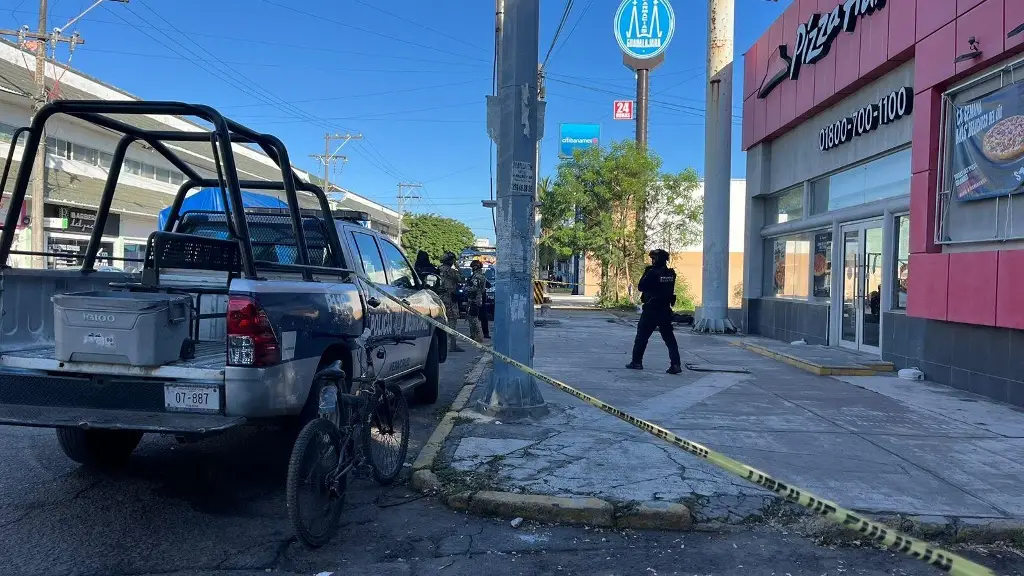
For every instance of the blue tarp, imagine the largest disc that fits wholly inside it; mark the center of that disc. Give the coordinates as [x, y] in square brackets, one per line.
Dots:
[210, 199]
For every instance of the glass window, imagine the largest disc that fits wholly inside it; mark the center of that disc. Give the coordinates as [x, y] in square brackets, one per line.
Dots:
[84, 154]
[106, 160]
[133, 167]
[51, 146]
[133, 251]
[885, 177]
[786, 206]
[6, 132]
[373, 264]
[149, 171]
[790, 266]
[177, 177]
[902, 263]
[822, 284]
[401, 271]
[163, 175]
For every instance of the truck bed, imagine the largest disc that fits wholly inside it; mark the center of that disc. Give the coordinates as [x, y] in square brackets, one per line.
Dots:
[208, 364]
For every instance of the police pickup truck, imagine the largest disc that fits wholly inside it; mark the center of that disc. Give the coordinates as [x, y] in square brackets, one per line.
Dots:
[267, 298]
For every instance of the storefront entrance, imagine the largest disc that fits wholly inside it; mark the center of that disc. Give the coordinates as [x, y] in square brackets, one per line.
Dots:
[863, 262]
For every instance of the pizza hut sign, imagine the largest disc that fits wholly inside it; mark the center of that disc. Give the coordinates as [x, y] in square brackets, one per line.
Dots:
[814, 38]
[889, 109]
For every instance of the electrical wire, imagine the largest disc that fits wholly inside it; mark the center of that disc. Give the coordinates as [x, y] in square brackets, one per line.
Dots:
[558, 31]
[418, 25]
[582, 15]
[322, 18]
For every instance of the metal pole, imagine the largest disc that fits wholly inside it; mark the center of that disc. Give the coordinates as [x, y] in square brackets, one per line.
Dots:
[39, 170]
[511, 393]
[643, 90]
[717, 170]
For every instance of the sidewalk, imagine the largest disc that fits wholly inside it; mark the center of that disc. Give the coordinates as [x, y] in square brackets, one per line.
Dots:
[871, 443]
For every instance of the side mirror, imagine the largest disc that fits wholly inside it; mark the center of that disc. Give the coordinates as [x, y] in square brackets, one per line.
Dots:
[431, 281]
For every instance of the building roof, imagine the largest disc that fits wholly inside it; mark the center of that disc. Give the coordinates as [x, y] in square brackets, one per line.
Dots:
[16, 78]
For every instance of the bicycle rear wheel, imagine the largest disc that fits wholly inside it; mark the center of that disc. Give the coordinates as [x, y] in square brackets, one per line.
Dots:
[315, 501]
[386, 434]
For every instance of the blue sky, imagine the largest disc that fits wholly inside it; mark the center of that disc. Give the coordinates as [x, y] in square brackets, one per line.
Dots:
[411, 76]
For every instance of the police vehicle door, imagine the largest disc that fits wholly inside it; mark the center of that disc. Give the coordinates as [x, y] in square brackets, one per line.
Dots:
[381, 312]
[405, 286]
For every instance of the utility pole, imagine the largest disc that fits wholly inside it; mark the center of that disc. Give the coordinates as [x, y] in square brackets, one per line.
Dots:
[510, 392]
[717, 170]
[43, 40]
[328, 158]
[404, 196]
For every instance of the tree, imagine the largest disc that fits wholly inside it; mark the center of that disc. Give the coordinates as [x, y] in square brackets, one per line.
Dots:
[613, 205]
[434, 234]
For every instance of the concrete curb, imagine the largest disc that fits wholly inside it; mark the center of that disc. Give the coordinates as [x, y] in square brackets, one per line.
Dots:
[813, 367]
[566, 510]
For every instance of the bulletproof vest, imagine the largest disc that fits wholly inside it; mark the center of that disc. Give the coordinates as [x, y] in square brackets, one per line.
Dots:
[664, 288]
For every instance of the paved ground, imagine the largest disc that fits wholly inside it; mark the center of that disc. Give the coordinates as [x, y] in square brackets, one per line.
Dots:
[216, 508]
[876, 444]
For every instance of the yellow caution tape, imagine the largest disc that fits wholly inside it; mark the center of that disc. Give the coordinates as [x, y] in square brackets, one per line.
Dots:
[876, 531]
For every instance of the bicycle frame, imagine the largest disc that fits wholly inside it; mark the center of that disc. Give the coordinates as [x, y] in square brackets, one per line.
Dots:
[353, 429]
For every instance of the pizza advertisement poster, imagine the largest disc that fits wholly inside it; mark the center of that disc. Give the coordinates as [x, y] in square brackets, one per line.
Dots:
[822, 265]
[988, 151]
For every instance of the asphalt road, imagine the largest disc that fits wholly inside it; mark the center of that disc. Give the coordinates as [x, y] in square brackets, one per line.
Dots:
[217, 508]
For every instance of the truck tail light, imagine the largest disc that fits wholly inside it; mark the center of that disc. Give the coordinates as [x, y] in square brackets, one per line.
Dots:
[251, 338]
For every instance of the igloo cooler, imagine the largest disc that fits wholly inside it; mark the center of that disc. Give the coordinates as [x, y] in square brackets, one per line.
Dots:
[136, 328]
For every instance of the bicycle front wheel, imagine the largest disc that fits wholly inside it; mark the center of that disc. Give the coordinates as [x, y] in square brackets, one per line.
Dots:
[386, 434]
[314, 497]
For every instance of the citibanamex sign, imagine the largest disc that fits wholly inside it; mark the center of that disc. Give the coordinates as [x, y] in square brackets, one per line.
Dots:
[814, 38]
[889, 109]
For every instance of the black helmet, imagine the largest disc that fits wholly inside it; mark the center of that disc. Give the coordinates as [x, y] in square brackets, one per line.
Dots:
[448, 258]
[659, 256]
[476, 264]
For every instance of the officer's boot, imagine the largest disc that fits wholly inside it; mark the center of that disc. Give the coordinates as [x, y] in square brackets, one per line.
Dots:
[453, 342]
[635, 365]
[675, 369]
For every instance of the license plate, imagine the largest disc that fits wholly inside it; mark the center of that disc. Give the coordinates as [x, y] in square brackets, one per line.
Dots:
[199, 398]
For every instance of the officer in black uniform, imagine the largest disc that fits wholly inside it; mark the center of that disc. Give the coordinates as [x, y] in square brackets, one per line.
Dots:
[657, 288]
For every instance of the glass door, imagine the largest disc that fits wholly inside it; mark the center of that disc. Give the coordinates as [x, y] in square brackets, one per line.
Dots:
[863, 262]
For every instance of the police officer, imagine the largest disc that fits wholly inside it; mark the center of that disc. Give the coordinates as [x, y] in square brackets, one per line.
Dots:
[477, 291]
[450, 278]
[657, 287]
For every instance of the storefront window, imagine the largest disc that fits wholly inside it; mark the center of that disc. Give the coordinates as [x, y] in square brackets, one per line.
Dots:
[885, 177]
[786, 206]
[902, 261]
[790, 266]
[137, 251]
[822, 263]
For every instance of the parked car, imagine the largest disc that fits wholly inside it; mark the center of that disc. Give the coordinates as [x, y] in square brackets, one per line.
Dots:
[226, 324]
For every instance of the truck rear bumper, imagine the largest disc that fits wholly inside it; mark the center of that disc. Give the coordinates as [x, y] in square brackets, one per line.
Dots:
[33, 398]
[98, 418]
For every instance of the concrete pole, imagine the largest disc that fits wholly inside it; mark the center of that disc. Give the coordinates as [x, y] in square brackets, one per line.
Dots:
[39, 170]
[643, 89]
[511, 393]
[717, 170]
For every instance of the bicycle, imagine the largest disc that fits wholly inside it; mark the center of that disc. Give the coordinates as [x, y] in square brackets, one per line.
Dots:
[337, 443]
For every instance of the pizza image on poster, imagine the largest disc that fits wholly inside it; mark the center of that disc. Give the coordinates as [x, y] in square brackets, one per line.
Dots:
[988, 145]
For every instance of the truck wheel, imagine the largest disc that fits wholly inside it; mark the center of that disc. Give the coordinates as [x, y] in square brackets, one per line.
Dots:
[98, 447]
[427, 392]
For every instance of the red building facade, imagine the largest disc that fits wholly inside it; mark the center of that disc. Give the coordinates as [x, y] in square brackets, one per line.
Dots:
[939, 272]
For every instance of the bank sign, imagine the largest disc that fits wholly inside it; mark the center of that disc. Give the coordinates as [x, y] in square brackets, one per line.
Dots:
[814, 39]
[644, 28]
[573, 137]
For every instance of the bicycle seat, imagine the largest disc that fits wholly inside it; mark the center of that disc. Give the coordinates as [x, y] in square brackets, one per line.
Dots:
[332, 373]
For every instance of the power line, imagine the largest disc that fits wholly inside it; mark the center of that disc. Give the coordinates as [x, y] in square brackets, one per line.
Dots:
[281, 44]
[323, 18]
[583, 13]
[363, 95]
[558, 31]
[418, 25]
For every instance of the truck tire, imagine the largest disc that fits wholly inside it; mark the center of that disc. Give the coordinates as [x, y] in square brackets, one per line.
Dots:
[98, 447]
[427, 392]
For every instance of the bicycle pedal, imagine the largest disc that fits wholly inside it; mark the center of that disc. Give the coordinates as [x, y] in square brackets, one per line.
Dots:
[364, 471]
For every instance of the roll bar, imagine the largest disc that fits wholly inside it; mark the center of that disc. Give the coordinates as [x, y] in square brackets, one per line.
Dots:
[224, 133]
